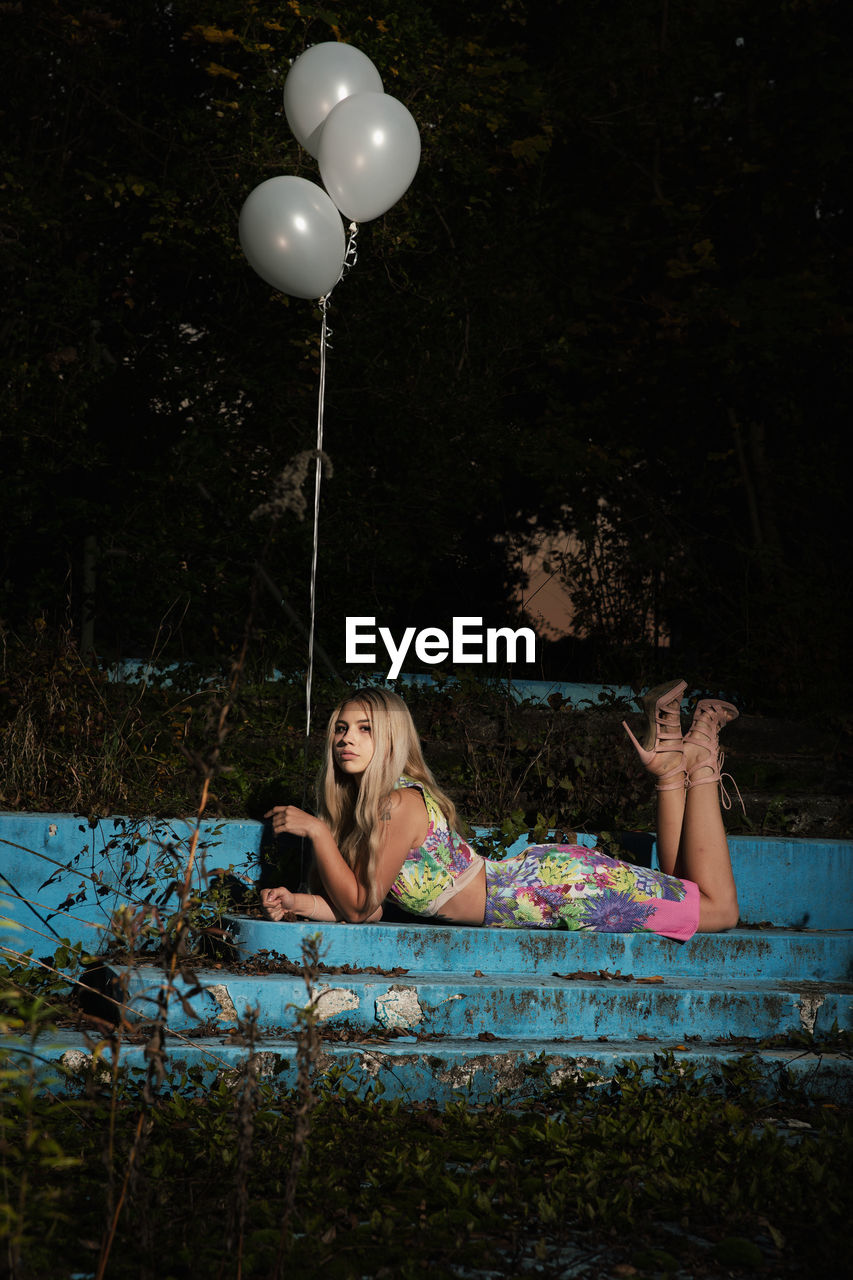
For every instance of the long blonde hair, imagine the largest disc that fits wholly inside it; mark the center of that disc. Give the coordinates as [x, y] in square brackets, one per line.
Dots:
[352, 806]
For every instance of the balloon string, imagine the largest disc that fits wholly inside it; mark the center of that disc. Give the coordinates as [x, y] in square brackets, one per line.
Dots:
[350, 259]
[318, 473]
[351, 255]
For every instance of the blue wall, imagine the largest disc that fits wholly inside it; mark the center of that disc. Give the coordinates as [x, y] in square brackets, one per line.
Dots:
[62, 878]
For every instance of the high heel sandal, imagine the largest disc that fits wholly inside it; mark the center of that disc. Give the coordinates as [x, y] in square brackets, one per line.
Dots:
[710, 716]
[662, 706]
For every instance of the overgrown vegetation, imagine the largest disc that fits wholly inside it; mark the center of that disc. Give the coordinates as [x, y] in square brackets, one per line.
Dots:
[74, 740]
[71, 739]
[654, 1169]
[264, 1173]
[260, 1174]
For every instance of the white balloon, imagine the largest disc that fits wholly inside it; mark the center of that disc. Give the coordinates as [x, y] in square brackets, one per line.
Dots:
[369, 153]
[293, 236]
[319, 79]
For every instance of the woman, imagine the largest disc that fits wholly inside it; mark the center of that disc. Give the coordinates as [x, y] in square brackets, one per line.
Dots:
[387, 830]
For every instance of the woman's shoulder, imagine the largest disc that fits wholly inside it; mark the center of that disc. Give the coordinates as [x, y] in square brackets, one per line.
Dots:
[407, 785]
[409, 805]
[408, 791]
[407, 799]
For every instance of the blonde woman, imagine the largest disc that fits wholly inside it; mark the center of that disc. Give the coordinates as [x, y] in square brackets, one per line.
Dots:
[386, 830]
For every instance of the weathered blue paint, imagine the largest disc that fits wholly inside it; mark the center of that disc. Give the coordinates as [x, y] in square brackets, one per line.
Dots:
[795, 884]
[47, 857]
[452, 1071]
[541, 1007]
[741, 953]
[798, 884]
[460, 986]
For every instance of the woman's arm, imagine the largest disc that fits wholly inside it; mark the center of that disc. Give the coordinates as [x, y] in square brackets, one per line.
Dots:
[404, 826]
[313, 906]
[280, 902]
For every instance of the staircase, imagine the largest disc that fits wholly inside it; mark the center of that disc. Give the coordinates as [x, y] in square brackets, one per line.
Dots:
[433, 1013]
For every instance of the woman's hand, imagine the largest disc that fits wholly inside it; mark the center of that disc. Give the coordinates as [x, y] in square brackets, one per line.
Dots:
[277, 902]
[288, 820]
[344, 896]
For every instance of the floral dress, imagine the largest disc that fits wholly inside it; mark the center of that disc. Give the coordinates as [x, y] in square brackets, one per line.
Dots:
[548, 886]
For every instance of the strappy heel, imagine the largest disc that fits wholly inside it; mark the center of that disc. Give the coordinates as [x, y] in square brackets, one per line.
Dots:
[710, 716]
[662, 706]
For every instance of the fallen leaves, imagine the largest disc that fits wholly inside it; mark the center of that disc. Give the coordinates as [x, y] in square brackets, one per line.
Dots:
[604, 975]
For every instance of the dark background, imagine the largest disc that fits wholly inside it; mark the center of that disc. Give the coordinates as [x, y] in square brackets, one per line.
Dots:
[614, 301]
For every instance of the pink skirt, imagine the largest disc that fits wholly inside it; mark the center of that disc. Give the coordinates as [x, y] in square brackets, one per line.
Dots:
[562, 886]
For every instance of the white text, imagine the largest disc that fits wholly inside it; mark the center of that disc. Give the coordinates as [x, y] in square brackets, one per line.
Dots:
[465, 643]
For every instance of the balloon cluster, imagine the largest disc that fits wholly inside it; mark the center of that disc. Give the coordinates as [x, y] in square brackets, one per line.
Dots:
[367, 147]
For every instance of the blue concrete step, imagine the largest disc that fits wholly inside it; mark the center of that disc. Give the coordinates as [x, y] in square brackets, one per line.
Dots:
[496, 1019]
[540, 1007]
[431, 1012]
[760, 953]
[443, 1071]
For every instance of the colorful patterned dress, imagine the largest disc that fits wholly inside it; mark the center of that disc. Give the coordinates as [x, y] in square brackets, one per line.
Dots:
[548, 886]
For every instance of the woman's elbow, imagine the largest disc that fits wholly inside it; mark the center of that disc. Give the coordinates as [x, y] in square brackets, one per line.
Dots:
[362, 915]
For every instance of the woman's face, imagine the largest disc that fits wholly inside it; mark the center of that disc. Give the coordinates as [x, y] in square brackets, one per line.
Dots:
[352, 743]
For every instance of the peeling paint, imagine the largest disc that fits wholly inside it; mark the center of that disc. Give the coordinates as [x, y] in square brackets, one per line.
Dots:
[227, 1012]
[518, 1073]
[809, 1006]
[576, 1071]
[267, 1064]
[331, 1001]
[372, 1064]
[507, 1070]
[400, 1007]
[78, 1063]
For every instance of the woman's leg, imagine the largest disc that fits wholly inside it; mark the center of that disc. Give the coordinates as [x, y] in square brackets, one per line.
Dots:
[704, 858]
[670, 821]
[703, 854]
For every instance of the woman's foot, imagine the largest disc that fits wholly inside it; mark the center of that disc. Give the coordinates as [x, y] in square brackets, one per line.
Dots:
[663, 750]
[703, 759]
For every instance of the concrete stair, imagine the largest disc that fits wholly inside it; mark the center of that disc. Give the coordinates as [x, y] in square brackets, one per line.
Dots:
[430, 1013]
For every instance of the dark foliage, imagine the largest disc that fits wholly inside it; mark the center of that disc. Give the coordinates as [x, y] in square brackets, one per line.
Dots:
[614, 303]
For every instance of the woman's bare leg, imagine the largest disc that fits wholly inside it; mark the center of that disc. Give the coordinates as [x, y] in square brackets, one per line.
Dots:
[703, 854]
[704, 858]
[670, 822]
